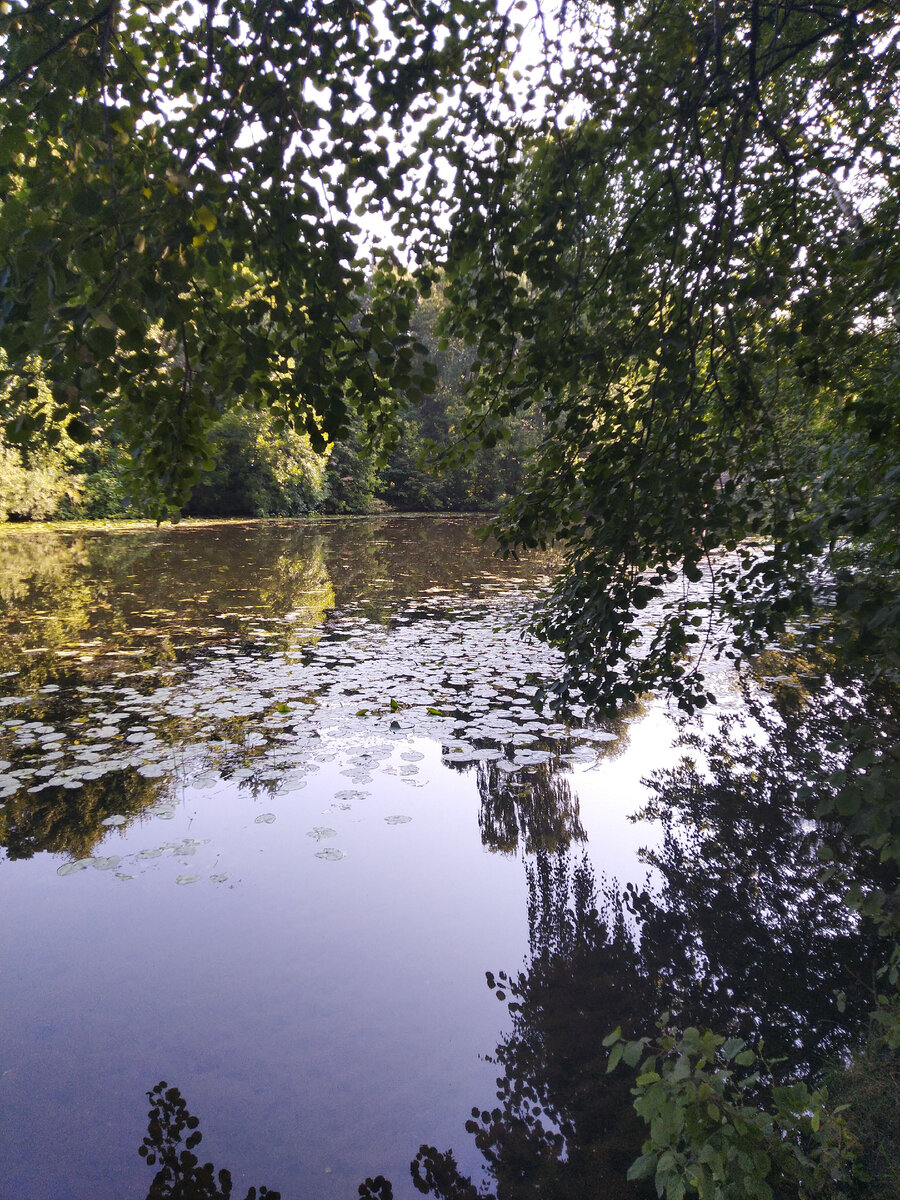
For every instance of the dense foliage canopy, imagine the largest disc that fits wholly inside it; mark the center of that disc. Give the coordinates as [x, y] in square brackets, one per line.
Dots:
[668, 239]
[684, 250]
[176, 212]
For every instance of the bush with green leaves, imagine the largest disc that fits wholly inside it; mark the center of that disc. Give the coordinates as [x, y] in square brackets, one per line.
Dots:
[259, 471]
[710, 1136]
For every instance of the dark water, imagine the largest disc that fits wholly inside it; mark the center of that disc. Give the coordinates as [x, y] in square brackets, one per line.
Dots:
[279, 806]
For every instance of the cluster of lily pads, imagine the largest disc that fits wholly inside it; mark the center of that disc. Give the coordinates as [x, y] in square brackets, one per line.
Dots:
[446, 668]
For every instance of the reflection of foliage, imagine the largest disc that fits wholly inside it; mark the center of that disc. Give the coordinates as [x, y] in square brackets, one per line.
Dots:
[67, 821]
[378, 1188]
[745, 934]
[534, 806]
[89, 594]
[62, 592]
[180, 1175]
[564, 1128]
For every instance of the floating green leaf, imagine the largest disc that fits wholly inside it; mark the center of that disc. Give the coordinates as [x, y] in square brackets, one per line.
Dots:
[70, 868]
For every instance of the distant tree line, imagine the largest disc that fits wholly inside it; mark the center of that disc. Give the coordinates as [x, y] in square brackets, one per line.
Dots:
[259, 467]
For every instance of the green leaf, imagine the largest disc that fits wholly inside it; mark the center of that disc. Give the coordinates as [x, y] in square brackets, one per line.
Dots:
[632, 1053]
[614, 1057]
[643, 1167]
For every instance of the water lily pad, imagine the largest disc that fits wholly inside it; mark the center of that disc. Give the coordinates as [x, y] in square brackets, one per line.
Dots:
[188, 878]
[219, 878]
[291, 781]
[69, 868]
[207, 780]
[264, 819]
[397, 819]
[154, 853]
[116, 819]
[330, 854]
[106, 864]
[321, 831]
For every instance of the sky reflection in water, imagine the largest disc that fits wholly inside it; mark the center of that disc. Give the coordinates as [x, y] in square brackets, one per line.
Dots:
[326, 1015]
[267, 791]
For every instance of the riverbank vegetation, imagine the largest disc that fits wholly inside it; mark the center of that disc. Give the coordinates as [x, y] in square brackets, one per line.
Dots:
[256, 467]
[666, 242]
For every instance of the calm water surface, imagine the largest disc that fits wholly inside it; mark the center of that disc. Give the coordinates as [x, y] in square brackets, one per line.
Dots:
[276, 804]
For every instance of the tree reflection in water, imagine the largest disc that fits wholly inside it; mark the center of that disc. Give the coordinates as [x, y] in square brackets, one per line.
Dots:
[562, 1127]
[535, 806]
[738, 929]
[172, 1136]
[745, 934]
[58, 820]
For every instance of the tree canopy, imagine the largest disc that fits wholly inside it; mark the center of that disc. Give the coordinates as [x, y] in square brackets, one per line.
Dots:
[672, 238]
[684, 251]
[176, 212]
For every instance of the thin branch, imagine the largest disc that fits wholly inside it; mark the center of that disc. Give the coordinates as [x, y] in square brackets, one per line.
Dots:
[10, 82]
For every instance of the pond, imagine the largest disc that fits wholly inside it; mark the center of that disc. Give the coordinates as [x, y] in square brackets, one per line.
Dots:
[279, 806]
